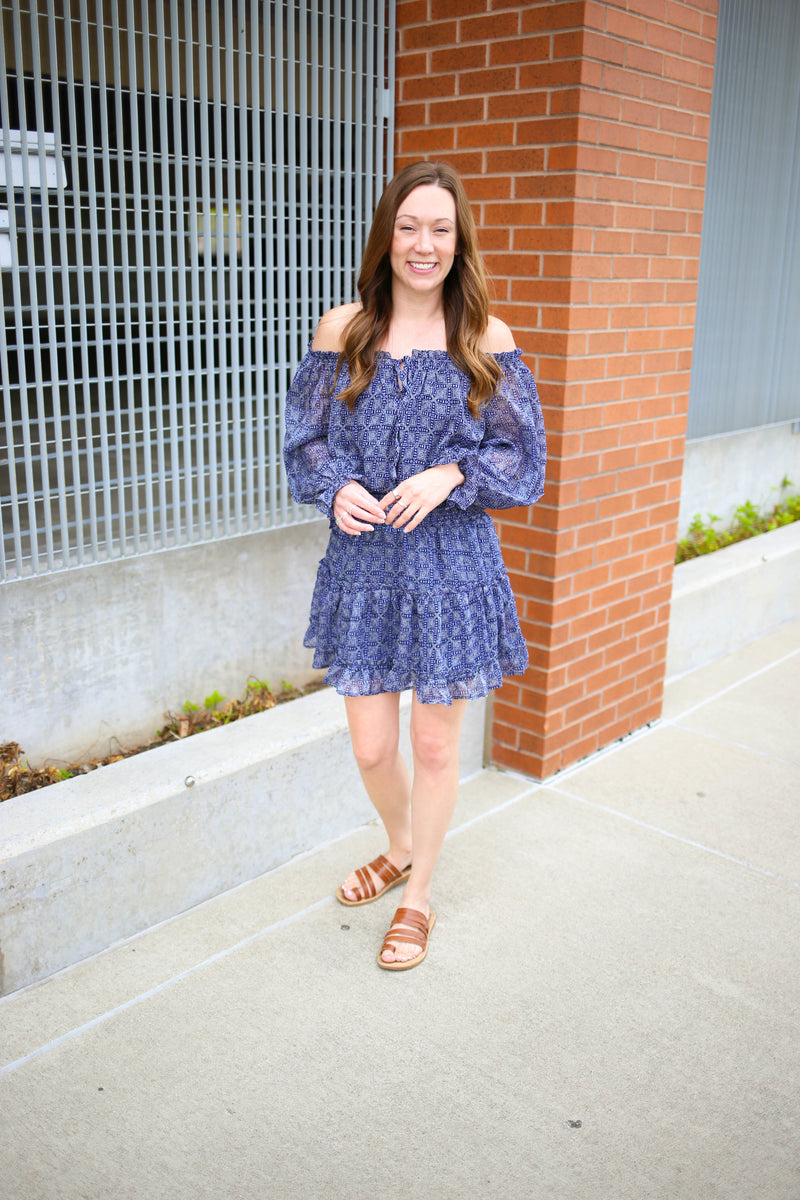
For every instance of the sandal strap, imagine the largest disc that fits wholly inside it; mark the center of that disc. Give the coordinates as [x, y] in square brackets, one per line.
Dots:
[365, 884]
[386, 871]
[417, 935]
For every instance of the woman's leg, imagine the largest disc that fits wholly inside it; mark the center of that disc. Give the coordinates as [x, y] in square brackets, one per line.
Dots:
[435, 732]
[375, 734]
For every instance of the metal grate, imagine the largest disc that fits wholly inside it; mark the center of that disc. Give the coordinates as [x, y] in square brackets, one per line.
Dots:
[746, 359]
[184, 189]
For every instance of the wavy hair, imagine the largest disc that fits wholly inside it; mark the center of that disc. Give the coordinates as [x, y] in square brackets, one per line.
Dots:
[465, 296]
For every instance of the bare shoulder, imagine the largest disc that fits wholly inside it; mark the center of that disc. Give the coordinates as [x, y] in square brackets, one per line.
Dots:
[331, 329]
[499, 337]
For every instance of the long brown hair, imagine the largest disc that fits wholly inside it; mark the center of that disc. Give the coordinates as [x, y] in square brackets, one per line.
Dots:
[466, 297]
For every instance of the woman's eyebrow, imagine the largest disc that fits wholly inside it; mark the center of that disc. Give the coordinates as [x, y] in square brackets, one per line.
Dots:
[436, 220]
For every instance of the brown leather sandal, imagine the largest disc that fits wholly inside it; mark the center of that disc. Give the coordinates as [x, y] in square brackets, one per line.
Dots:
[417, 934]
[386, 871]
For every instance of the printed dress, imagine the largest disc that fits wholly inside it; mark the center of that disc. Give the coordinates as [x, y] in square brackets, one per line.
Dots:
[431, 609]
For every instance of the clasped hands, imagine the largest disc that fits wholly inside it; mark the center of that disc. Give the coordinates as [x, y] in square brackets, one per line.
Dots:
[356, 511]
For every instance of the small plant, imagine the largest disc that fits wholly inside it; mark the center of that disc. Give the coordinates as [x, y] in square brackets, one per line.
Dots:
[703, 538]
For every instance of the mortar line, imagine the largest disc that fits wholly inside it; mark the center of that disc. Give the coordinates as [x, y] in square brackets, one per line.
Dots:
[731, 687]
[676, 837]
[716, 737]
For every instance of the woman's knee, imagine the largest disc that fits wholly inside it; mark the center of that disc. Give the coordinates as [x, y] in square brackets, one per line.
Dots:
[434, 749]
[374, 730]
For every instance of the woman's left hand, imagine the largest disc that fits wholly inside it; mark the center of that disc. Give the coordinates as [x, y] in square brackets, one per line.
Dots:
[410, 502]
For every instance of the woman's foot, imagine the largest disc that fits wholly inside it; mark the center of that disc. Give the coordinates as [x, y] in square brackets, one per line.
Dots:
[406, 943]
[368, 883]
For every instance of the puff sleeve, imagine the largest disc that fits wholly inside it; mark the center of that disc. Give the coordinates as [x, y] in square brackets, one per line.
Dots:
[506, 469]
[315, 468]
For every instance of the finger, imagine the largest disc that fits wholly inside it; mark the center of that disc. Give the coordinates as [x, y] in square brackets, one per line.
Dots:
[360, 513]
[416, 520]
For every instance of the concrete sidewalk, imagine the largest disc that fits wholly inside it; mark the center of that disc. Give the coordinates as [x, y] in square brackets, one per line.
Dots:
[609, 1008]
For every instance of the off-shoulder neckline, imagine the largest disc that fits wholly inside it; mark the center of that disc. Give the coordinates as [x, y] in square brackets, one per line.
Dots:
[499, 354]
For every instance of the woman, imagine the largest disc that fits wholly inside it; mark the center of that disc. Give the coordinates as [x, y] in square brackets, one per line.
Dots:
[411, 414]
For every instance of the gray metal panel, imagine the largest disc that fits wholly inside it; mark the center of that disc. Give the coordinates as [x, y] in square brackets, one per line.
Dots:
[184, 189]
[746, 364]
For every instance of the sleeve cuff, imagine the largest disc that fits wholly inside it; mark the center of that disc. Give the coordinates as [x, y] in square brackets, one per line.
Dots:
[464, 495]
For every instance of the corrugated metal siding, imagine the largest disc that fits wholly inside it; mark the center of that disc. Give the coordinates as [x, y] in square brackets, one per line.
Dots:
[184, 189]
[746, 365]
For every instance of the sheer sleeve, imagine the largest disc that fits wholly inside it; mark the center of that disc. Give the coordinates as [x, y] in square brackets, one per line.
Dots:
[315, 471]
[507, 468]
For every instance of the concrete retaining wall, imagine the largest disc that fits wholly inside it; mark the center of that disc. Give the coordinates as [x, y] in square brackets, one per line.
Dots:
[93, 656]
[724, 600]
[98, 858]
[722, 472]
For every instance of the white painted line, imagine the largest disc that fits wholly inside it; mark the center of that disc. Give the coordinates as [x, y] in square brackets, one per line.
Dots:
[676, 837]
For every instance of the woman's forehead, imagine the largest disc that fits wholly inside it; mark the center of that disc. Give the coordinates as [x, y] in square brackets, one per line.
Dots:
[428, 200]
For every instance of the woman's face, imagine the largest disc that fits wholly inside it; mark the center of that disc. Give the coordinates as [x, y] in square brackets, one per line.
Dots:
[425, 239]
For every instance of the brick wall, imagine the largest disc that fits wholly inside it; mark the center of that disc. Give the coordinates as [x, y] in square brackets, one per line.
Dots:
[581, 131]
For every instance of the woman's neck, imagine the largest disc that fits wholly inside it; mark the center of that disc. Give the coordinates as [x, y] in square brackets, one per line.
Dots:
[416, 325]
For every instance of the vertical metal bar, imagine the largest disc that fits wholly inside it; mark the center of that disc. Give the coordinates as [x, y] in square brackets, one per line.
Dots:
[338, 167]
[111, 277]
[360, 203]
[233, 482]
[54, 388]
[184, 432]
[97, 289]
[220, 431]
[212, 333]
[370, 111]
[345, 87]
[167, 234]
[388, 168]
[303, 224]
[30, 475]
[85, 457]
[246, 121]
[329, 174]
[72, 492]
[313, 67]
[260, 111]
[198, 429]
[159, 330]
[143, 331]
[379, 86]
[21, 371]
[280, 509]
[273, 175]
[128, 481]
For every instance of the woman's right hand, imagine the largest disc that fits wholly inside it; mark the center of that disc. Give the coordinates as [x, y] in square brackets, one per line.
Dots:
[354, 508]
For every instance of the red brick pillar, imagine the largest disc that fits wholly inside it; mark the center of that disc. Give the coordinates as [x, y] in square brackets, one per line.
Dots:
[581, 132]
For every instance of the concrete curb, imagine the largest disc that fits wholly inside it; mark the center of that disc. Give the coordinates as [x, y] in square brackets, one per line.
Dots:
[95, 859]
[724, 600]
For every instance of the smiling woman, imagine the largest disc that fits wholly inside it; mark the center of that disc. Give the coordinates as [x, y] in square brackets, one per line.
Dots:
[410, 415]
[424, 242]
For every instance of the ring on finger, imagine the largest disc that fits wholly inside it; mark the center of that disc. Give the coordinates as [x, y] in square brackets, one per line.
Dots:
[395, 493]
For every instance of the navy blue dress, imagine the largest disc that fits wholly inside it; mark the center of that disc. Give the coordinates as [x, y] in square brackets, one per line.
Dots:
[431, 609]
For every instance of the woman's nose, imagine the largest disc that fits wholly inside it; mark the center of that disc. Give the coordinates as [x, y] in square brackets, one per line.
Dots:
[424, 241]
